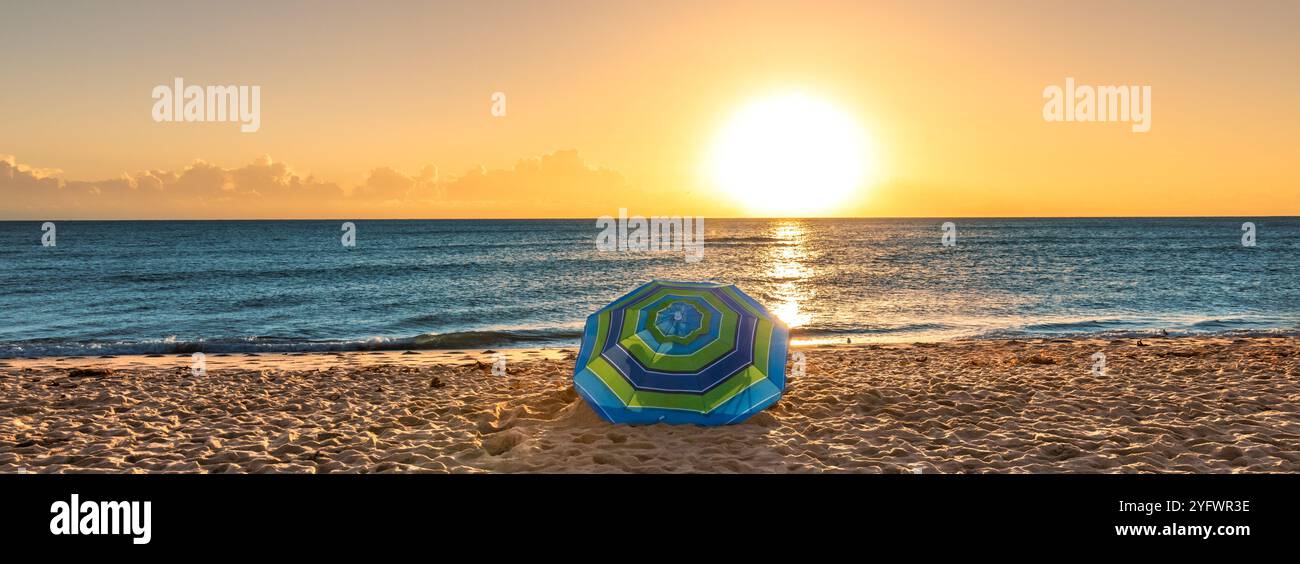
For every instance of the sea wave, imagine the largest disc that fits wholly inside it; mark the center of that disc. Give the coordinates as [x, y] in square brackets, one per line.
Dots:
[272, 344]
[817, 331]
[1144, 327]
[999, 329]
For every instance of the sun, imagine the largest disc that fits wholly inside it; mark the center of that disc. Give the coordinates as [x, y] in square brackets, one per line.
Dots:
[791, 155]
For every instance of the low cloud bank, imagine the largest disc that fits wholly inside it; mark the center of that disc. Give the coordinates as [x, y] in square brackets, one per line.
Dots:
[558, 184]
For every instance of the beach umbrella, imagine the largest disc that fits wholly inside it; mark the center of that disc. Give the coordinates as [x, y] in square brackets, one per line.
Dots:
[682, 352]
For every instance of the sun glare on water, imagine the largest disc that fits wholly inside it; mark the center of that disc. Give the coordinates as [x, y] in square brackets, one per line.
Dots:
[791, 155]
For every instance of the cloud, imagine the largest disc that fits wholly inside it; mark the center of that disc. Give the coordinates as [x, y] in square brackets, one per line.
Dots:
[261, 189]
[385, 186]
[558, 184]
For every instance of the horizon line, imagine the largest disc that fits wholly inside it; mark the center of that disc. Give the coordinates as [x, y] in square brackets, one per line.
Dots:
[729, 218]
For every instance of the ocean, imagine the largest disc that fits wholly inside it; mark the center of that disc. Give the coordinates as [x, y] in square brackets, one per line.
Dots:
[139, 287]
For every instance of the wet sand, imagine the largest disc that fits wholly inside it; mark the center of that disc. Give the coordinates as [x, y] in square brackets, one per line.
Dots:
[1195, 405]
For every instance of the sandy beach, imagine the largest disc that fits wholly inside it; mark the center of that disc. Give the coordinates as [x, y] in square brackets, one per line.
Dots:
[1164, 405]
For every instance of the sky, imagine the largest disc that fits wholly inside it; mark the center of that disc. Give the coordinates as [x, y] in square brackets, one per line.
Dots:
[384, 109]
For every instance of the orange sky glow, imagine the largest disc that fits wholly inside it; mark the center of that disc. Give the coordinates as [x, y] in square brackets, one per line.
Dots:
[385, 111]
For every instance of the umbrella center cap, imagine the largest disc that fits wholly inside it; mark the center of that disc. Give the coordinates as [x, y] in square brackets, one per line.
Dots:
[679, 319]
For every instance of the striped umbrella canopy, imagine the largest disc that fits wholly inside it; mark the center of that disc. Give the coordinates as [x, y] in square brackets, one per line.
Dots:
[682, 352]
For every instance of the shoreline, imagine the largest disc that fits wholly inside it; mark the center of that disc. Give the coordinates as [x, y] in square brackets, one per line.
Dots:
[1170, 404]
[450, 356]
[419, 343]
